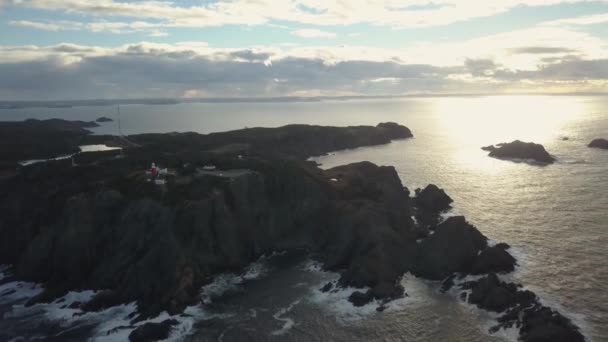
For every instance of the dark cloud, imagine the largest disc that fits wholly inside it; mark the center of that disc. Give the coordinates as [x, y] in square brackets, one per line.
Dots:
[480, 67]
[537, 50]
[155, 72]
[568, 69]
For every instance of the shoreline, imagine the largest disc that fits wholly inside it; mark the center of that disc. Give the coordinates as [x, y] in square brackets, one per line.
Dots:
[200, 226]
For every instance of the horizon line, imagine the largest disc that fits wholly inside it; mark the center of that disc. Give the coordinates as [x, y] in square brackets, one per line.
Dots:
[17, 104]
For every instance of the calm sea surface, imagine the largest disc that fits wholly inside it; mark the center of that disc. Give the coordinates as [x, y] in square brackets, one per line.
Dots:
[555, 218]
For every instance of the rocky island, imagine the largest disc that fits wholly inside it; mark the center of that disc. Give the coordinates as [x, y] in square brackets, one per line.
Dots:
[104, 119]
[101, 223]
[519, 150]
[599, 143]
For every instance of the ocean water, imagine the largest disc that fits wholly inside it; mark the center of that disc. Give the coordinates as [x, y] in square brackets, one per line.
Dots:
[555, 217]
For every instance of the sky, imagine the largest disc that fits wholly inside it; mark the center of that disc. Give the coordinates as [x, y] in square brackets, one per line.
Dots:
[108, 49]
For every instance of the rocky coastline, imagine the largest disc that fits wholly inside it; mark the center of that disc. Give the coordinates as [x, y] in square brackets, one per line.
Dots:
[100, 224]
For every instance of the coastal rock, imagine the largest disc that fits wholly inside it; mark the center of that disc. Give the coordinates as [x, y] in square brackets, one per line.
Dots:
[104, 119]
[395, 130]
[150, 332]
[104, 226]
[452, 248]
[543, 324]
[369, 238]
[520, 150]
[599, 143]
[521, 308]
[432, 198]
[493, 259]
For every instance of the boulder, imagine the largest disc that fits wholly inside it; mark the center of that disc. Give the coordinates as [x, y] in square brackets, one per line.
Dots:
[520, 150]
[599, 143]
[359, 298]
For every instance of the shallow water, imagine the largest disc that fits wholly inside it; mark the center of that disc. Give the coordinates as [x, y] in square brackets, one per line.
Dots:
[554, 216]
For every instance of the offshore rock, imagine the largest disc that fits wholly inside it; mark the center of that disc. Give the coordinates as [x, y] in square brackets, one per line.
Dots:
[599, 143]
[520, 150]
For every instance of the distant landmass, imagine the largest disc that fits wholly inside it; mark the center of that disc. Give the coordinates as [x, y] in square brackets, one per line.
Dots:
[170, 101]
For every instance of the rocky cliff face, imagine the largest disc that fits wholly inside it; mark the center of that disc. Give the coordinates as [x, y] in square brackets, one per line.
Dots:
[104, 226]
[71, 232]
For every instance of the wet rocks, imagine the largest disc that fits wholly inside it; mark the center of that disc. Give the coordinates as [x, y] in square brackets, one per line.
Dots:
[452, 248]
[543, 324]
[359, 298]
[370, 235]
[149, 332]
[327, 287]
[521, 308]
[599, 143]
[493, 259]
[520, 150]
[432, 198]
[101, 301]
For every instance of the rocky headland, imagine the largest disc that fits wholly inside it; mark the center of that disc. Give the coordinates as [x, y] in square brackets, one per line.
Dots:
[98, 223]
[519, 150]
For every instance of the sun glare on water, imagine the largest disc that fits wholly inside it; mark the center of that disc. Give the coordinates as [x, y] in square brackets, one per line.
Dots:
[470, 123]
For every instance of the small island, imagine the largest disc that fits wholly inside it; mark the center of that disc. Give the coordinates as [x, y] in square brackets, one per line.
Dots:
[519, 150]
[104, 119]
[599, 143]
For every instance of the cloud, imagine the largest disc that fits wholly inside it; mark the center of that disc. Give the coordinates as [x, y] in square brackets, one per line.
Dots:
[195, 69]
[312, 33]
[151, 29]
[580, 21]
[533, 50]
[411, 13]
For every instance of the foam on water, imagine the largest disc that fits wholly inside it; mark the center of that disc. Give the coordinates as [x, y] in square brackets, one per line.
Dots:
[288, 322]
[18, 290]
[227, 282]
[114, 324]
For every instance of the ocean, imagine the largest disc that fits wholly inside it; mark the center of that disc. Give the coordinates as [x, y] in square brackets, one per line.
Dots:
[555, 218]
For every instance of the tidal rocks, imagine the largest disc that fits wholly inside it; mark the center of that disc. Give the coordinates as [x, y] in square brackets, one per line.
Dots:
[599, 143]
[104, 119]
[150, 332]
[520, 150]
[493, 259]
[543, 324]
[452, 248]
[432, 198]
[521, 308]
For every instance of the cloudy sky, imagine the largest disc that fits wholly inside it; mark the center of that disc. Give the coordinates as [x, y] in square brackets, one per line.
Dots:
[83, 49]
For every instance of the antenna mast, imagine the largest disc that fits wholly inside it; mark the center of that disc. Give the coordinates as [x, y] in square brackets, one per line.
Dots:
[118, 112]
